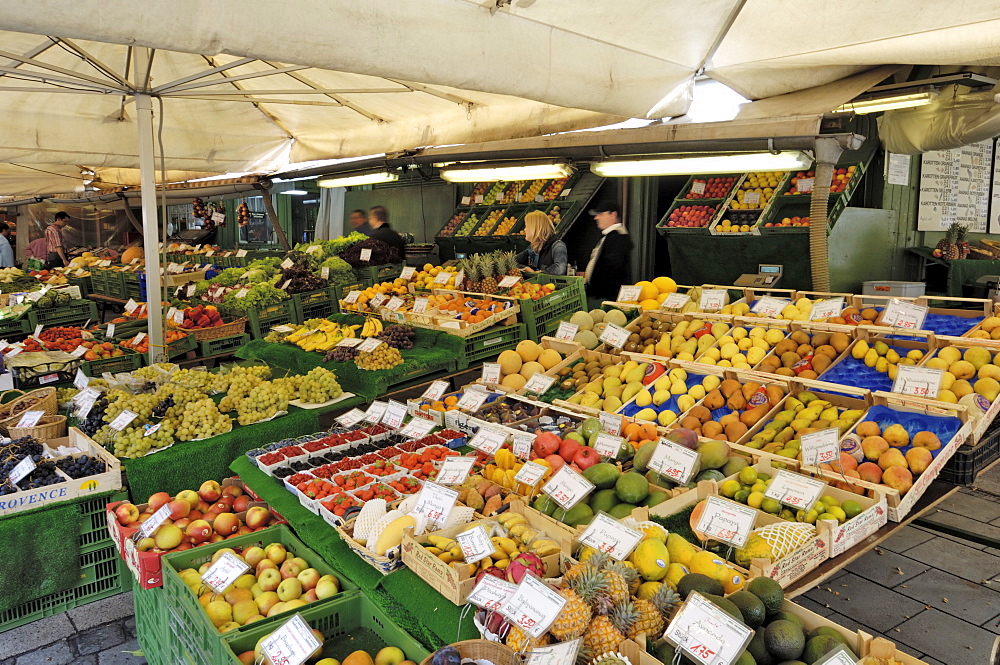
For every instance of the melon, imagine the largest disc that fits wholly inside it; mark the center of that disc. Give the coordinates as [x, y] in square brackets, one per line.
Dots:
[597, 315]
[583, 320]
[529, 369]
[616, 317]
[510, 362]
[528, 350]
[513, 381]
[549, 358]
[132, 253]
[587, 338]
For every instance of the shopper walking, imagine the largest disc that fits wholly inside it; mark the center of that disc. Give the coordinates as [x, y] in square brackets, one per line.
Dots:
[546, 253]
[6, 250]
[54, 243]
[378, 218]
[359, 222]
[609, 266]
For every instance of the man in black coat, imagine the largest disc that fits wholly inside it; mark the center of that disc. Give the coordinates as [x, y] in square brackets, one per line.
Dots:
[609, 267]
[378, 218]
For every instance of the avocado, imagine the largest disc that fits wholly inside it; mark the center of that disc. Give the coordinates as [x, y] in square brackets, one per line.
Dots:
[700, 583]
[818, 647]
[745, 659]
[787, 616]
[665, 654]
[710, 474]
[784, 640]
[769, 592]
[830, 632]
[725, 605]
[757, 649]
[750, 606]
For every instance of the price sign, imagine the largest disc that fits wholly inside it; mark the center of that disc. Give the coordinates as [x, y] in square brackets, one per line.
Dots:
[285, 285]
[454, 470]
[351, 418]
[352, 297]
[838, 656]
[240, 253]
[471, 400]
[707, 633]
[48, 378]
[131, 305]
[610, 422]
[491, 593]
[917, 381]
[607, 534]
[149, 527]
[608, 445]
[366, 255]
[530, 473]
[287, 263]
[86, 403]
[218, 217]
[123, 420]
[221, 574]
[78, 352]
[491, 373]
[698, 187]
[394, 304]
[419, 305]
[509, 281]
[173, 267]
[110, 332]
[727, 521]
[487, 440]
[395, 412]
[712, 300]
[30, 418]
[794, 490]
[407, 273]
[475, 544]
[435, 502]
[615, 336]
[435, 391]
[417, 428]
[466, 200]
[81, 380]
[171, 312]
[312, 248]
[567, 331]
[479, 198]
[539, 383]
[522, 444]
[242, 293]
[563, 653]
[676, 301]
[324, 272]
[460, 278]
[673, 461]
[138, 338]
[13, 352]
[825, 309]
[901, 314]
[370, 344]
[567, 487]
[805, 185]
[21, 470]
[443, 277]
[752, 199]
[191, 289]
[821, 447]
[209, 252]
[375, 412]
[533, 606]
[377, 299]
[768, 306]
[629, 293]
[179, 317]
[292, 644]
[350, 342]
[38, 331]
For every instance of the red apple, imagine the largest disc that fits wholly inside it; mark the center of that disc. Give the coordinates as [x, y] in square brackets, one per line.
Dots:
[547, 444]
[243, 530]
[555, 462]
[216, 538]
[188, 496]
[226, 501]
[240, 504]
[221, 507]
[198, 531]
[232, 490]
[210, 491]
[126, 513]
[204, 506]
[265, 564]
[226, 524]
[182, 523]
[568, 449]
[586, 457]
[157, 501]
[179, 508]
[257, 517]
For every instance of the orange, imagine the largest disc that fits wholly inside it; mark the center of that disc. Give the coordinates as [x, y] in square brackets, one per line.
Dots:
[632, 431]
[451, 400]
[647, 430]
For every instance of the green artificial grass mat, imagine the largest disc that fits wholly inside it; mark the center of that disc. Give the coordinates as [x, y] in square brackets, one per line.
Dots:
[405, 598]
[42, 546]
[679, 523]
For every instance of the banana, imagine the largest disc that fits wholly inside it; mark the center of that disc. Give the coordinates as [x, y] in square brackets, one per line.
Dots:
[441, 542]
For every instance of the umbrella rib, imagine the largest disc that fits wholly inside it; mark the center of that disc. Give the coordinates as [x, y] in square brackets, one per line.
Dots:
[39, 76]
[418, 87]
[263, 112]
[238, 77]
[208, 72]
[56, 68]
[301, 91]
[105, 69]
[59, 89]
[343, 102]
[251, 99]
[38, 50]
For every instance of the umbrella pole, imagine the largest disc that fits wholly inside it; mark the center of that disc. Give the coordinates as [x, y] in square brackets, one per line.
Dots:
[150, 227]
[275, 224]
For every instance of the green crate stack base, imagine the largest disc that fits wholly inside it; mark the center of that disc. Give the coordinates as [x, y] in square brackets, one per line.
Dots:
[214, 347]
[130, 282]
[339, 291]
[542, 316]
[130, 361]
[151, 626]
[260, 322]
[94, 525]
[76, 313]
[83, 283]
[317, 304]
[114, 284]
[489, 343]
[381, 273]
[13, 327]
[203, 641]
[175, 349]
[336, 621]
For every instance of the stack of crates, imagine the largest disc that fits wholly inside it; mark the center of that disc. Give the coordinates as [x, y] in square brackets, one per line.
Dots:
[542, 316]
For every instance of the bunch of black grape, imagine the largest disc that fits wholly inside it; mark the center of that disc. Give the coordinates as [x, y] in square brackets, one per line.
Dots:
[160, 410]
[341, 354]
[398, 337]
[43, 475]
[95, 419]
[81, 467]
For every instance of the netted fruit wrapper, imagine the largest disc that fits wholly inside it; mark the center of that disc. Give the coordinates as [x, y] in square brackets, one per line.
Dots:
[787, 537]
[371, 513]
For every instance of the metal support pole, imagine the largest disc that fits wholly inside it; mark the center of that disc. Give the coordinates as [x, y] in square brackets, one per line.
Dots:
[150, 227]
[275, 224]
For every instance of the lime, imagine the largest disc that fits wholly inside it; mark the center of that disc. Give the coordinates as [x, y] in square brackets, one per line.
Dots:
[748, 475]
[810, 517]
[851, 508]
[755, 499]
[770, 506]
[763, 476]
[838, 512]
[741, 496]
[729, 488]
[787, 514]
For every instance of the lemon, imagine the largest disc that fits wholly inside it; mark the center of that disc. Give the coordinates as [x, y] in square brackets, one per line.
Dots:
[837, 512]
[755, 499]
[770, 506]
[758, 486]
[829, 500]
[729, 488]
[748, 475]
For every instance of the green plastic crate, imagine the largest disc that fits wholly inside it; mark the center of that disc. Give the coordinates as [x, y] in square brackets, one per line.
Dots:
[114, 284]
[317, 304]
[380, 273]
[130, 282]
[76, 313]
[83, 283]
[260, 322]
[339, 291]
[216, 346]
[14, 327]
[102, 574]
[203, 640]
[151, 626]
[94, 525]
[336, 621]
[126, 363]
[489, 343]
[176, 348]
[542, 316]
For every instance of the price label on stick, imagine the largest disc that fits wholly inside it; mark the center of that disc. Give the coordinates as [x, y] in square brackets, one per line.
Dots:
[673, 461]
[454, 470]
[292, 644]
[352, 297]
[123, 420]
[821, 447]
[30, 418]
[751, 199]
[191, 290]
[86, 403]
[522, 444]
[707, 633]
[407, 273]
[370, 344]
[131, 305]
[419, 305]
[79, 352]
[417, 428]
[838, 656]
[804, 185]
[221, 574]
[567, 331]
[475, 544]
[794, 490]
[443, 277]
[471, 400]
[149, 527]
[533, 606]
[491, 593]
[769, 307]
[435, 391]
[491, 373]
[607, 534]
[394, 415]
[366, 255]
[567, 488]
[22, 469]
[530, 473]
[539, 383]
[151, 429]
[81, 380]
[608, 445]
[375, 412]
[38, 331]
[629, 293]
[902, 314]
[240, 253]
[698, 187]
[917, 381]
[615, 336]
[563, 653]
[377, 300]
[350, 342]
[676, 301]
[508, 281]
[487, 440]
[610, 422]
[727, 521]
[712, 300]
[286, 264]
[435, 502]
[825, 309]
[110, 332]
[394, 304]
[138, 338]
[324, 272]
[351, 418]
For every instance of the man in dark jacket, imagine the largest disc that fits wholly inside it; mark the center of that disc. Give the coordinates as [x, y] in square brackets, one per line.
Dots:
[609, 266]
[378, 218]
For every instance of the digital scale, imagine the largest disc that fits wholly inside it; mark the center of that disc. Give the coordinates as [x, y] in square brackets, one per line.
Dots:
[768, 275]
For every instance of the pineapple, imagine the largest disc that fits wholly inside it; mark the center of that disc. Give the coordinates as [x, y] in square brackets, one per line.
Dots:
[962, 241]
[573, 619]
[629, 573]
[614, 573]
[472, 274]
[654, 613]
[949, 250]
[520, 641]
[489, 282]
[510, 263]
[604, 633]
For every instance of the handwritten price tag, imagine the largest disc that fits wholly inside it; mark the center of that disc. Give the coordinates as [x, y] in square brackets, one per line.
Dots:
[291, 644]
[435, 391]
[610, 423]
[350, 342]
[629, 293]
[240, 253]
[488, 441]
[443, 277]
[352, 297]
[370, 344]
[491, 593]
[712, 300]
[615, 336]
[838, 656]
[435, 502]
[508, 281]
[825, 309]
[351, 418]
[563, 653]
[917, 381]
[901, 314]
[475, 544]
[149, 527]
[607, 534]
[821, 447]
[420, 305]
[131, 305]
[454, 470]
[395, 412]
[375, 412]
[567, 488]
[111, 331]
[377, 299]
[287, 263]
[608, 445]
[804, 185]
[123, 420]
[407, 273]
[752, 199]
[707, 633]
[417, 428]
[530, 473]
[727, 521]
[794, 490]
[698, 187]
[491, 373]
[676, 301]
[86, 402]
[769, 307]
[539, 383]
[221, 574]
[522, 444]
[22, 469]
[30, 418]
[471, 400]
[81, 380]
[567, 331]
[533, 606]
[366, 255]
[673, 461]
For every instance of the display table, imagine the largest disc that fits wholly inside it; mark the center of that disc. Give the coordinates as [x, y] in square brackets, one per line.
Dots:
[957, 271]
[409, 601]
[700, 258]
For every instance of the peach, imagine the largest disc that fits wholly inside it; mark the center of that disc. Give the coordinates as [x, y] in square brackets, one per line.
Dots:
[918, 459]
[870, 472]
[868, 428]
[898, 478]
[928, 440]
[847, 462]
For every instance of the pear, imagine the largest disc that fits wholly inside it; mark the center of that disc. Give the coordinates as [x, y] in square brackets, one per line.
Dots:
[829, 414]
[690, 347]
[794, 404]
[891, 356]
[628, 367]
[680, 329]
[678, 388]
[676, 343]
[617, 391]
[666, 417]
[661, 396]
[646, 414]
[643, 398]
[590, 399]
[720, 329]
[852, 415]
[711, 382]
[611, 382]
[697, 392]
[576, 399]
[636, 375]
[662, 383]
[613, 371]
[860, 349]
[882, 365]
[685, 402]
[881, 348]
[871, 357]
[630, 391]
[611, 404]
[805, 397]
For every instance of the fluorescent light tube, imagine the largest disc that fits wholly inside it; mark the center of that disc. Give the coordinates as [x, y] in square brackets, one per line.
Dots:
[695, 164]
[294, 192]
[359, 179]
[485, 173]
[875, 105]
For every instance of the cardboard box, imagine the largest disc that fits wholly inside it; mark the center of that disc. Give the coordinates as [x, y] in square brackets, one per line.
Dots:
[110, 479]
[456, 584]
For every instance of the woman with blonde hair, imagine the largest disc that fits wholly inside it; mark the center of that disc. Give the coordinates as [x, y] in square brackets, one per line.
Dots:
[546, 253]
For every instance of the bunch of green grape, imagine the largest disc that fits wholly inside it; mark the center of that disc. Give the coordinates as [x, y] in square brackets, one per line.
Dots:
[132, 442]
[288, 386]
[154, 371]
[202, 419]
[200, 380]
[141, 405]
[240, 385]
[64, 395]
[319, 385]
[262, 402]
[181, 395]
[384, 357]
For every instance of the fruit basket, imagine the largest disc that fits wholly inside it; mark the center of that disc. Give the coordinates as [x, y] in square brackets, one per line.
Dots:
[48, 427]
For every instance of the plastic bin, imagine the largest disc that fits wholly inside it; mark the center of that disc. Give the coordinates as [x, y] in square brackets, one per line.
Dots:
[489, 343]
[126, 363]
[216, 346]
[894, 289]
[968, 461]
[76, 313]
[151, 626]
[542, 316]
[260, 322]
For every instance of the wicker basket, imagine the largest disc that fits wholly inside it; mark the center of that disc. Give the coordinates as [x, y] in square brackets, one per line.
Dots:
[498, 654]
[383, 564]
[48, 428]
[237, 327]
[42, 399]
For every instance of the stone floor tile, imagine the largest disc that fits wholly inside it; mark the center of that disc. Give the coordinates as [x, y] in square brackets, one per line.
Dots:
[129, 627]
[966, 562]
[812, 605]
[905, 538]
[121, 655]
[966, 644]
[54, 654]
[36, 634]
[870, 605]
[102, 611]
[972, 504]
[930, 661]
[975, 603]
[86, 660]
[957, 521]
[886, 568]
[99, 639]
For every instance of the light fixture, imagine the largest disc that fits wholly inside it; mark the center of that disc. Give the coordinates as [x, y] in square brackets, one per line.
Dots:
[294, 192]
[483, 172]
[692, 164]
[363, 178]
[864, 105]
